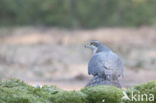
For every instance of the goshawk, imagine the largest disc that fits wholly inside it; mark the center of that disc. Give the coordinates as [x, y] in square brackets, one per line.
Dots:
[105, 65]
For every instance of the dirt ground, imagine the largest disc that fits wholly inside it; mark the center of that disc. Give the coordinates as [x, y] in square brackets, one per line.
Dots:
[55, 56]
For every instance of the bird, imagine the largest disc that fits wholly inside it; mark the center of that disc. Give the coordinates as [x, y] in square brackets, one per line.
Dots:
[105, 65]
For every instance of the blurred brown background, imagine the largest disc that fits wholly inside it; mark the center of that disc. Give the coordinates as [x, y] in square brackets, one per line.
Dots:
[57, 57]
[42, 43]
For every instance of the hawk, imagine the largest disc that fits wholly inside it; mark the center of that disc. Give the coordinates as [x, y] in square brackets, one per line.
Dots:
[104, 64]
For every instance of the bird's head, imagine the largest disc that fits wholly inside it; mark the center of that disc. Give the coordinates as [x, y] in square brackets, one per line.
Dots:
[93, 45]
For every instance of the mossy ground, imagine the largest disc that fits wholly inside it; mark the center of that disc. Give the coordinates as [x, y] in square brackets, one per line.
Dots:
[143, 93]
[103, 94]
[16, 91]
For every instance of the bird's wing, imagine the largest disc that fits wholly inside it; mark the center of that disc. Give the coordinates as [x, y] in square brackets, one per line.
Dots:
[105, 62]
[113, 62]
[96, 65]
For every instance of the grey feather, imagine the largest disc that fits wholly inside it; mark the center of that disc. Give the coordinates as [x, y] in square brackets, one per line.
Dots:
[105, 65]
[105, 62]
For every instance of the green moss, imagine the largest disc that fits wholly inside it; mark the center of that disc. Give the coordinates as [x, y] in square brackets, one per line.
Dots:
[16, 91]
[147, 86]
[103, 94]
[138, 91]
[12, 83]
[8, 95]
[70, 97]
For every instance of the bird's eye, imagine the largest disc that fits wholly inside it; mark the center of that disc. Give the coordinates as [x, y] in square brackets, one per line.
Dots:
[91, 43]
